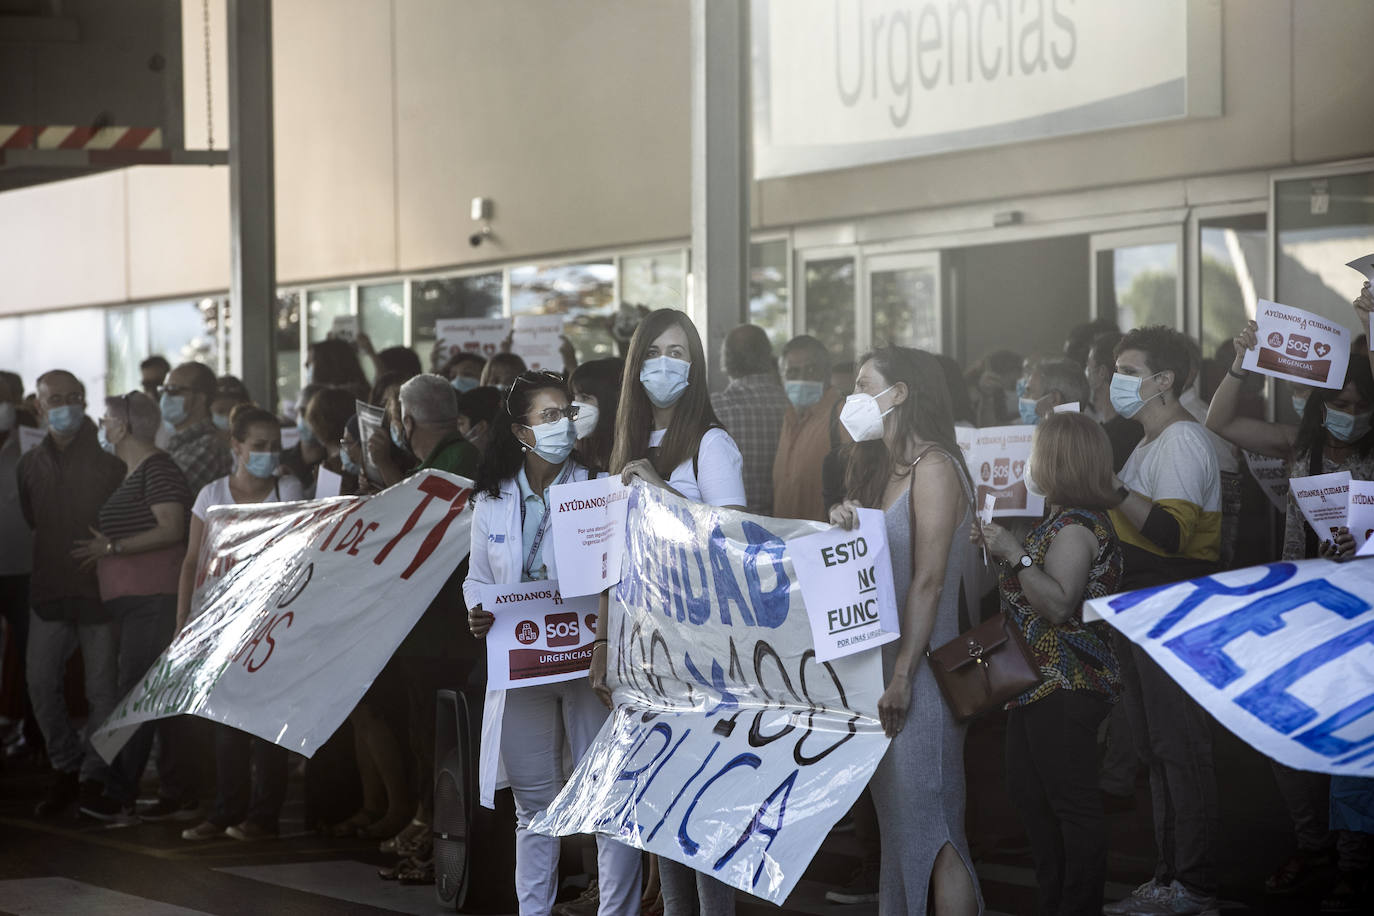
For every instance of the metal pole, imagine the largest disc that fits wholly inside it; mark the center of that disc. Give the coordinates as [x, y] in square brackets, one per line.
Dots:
[720, 169]
[252, 198]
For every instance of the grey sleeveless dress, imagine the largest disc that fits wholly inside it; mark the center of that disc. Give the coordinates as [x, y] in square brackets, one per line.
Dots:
[918, 788]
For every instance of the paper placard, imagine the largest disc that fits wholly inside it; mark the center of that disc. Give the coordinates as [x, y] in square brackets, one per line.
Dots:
[1272, 476]
[1071, 407]
[371, 419]
[482, 336]
[846, 582]
[539, 637]
[997, 460]
[1364, 265]
[588, 524]
[290, 437]
[345, 328]
[29, 438]
[327, 483]
[1360, 512]
[1298, 346]
[536, 340]
[1324, 500]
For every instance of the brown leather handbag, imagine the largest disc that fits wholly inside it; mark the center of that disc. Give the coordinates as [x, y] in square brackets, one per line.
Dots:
[987, 665]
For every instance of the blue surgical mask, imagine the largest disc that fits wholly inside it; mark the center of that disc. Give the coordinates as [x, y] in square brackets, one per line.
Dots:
[221, 421]
[262, 464]
[802, 393]
[173, 408]
[463, 383]
[1300, 404]
[105, 442]
[1021, 385]
[66, 419]
[307, 436]
[349, 465]
[554, 441]
[1347, 427]
[1125, 393]
[398, 440]
[1027, 408]
[664, 379]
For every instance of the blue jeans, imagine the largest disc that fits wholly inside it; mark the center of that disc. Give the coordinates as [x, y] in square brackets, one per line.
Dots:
[51, 644]
[147, 624]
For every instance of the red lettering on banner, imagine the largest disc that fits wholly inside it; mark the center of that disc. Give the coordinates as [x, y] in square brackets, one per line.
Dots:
[432, 486]
[248, 651]
[436, 534]
[353, 548]
[343, 518]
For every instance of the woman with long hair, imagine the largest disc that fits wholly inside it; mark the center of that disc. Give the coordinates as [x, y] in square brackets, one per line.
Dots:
[667, 434]
[527, 730]
[1070, 557]
[905, 461]
[596, 392]
[335, 362]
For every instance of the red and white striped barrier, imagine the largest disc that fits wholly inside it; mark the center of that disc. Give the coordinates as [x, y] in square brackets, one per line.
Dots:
[30, 136]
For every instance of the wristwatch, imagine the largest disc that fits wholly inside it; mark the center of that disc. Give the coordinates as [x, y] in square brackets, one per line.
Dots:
[1025, 562]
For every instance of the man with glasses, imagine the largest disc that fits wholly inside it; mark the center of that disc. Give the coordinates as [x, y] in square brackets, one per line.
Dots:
[62, 485]
[185, 401]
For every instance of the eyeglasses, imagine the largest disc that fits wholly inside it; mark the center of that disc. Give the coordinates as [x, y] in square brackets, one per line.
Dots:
[58, 400]
[175, 390]
[553, 414]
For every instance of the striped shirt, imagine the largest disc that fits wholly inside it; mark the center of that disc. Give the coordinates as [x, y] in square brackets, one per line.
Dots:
[129, 510]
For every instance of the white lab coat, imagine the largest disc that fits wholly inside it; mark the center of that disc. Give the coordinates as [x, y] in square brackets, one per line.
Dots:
[496, 557]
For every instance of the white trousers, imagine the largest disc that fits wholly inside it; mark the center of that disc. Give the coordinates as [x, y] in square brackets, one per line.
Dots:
[538, 723]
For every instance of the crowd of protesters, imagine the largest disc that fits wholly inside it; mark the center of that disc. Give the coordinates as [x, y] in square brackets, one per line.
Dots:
[1137, 451]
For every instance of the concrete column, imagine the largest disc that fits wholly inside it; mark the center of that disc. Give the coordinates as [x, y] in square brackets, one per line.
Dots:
[252, 199]
[720, 169]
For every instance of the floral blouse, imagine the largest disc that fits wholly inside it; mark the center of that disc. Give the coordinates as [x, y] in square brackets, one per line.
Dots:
[1072, 655]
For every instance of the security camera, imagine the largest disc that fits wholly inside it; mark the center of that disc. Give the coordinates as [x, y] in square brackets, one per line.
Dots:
[480, 235]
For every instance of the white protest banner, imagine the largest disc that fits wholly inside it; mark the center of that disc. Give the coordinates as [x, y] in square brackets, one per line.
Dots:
[1324, 500]
[536, 341]
[29, 438]
[297, 608]
[1360, 512]
[482, 336]
[846, 582]
[1272, 476]
[997, 461]
[1279, 654]
[731, 748]
[327, 483]
[1298, 346]
[345, 328]
[588, 525]
[539, 637]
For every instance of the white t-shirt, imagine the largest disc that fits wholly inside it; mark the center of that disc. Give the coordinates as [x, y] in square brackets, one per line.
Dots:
[216, 493]
[1228, 457]
[719, 480]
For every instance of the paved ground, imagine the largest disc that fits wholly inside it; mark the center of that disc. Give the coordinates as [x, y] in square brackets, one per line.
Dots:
[70, 865]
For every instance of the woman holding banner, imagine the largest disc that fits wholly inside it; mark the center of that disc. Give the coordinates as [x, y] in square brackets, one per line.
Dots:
[1070, 557]
[1333, 434]
[906, 462]
[524, 730]
[667, 434]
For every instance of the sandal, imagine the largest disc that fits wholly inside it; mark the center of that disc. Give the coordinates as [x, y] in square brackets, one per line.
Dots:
[402, 843]
[391, 872]
[416, 871]
[1301, 869]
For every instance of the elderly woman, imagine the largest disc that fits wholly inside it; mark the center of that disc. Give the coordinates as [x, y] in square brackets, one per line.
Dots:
[137, 550]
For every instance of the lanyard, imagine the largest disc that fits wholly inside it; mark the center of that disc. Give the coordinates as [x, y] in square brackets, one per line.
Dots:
[543, 524]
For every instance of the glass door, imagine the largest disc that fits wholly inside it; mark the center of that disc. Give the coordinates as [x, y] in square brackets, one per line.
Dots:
[904, 305]
[1137, 276]
[827, 295]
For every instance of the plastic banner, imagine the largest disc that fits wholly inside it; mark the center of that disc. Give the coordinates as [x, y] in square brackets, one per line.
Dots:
[297, 608]
[538, 637]
[1298, 346]
[731, 748]
[1282, 655]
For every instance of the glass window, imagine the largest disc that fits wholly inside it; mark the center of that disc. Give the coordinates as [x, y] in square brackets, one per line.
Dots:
[906, 306]
[33, 344]
[382, 314]
[655, 281]
[182, 332]
[288, 346]
[324, 306]
[1139, 284]
[830, 294]
[1320, 224]
[476, 296]
[126, 345]
[584, 293]
[1233, 273]
[770, 302]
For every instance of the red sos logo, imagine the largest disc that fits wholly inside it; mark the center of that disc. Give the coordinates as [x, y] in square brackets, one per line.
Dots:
[526, 632]
[562, 630]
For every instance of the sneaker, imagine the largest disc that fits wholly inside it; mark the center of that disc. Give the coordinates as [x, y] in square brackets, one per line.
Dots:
[61, 793]
[205, 830]
[1146, 895]
[585, 905]
[862, 887]
[166, 809]
[1172, 899]
[248, 832]
[104, 808]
